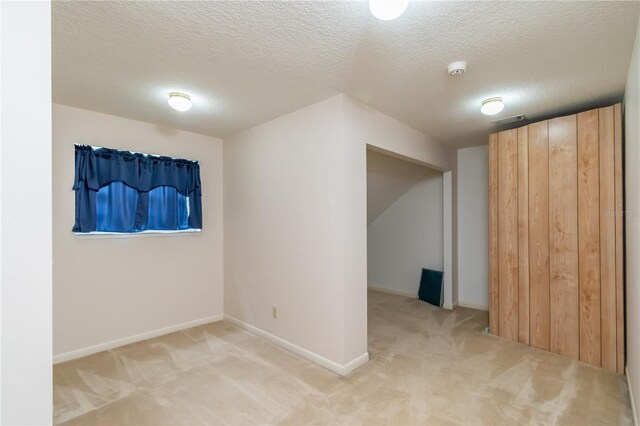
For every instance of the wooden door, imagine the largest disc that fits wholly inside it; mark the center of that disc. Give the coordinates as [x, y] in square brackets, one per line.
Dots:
[508, 235]
[556, 236]
[539, 235]
[563, 237]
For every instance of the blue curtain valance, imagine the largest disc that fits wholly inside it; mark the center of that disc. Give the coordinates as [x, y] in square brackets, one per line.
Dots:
[96, 168]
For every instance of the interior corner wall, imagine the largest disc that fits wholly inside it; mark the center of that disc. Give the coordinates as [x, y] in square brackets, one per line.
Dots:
[110, 291]
[455, 230]
[365, 126]
[473, 227]
[354, 238]
[631, 107]
[284, 224]
[296, 224]
[386, 134]
[407, 237]
[25, 211]
[449, 285]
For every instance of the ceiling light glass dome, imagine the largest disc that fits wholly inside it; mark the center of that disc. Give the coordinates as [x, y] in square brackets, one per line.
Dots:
[386, 10]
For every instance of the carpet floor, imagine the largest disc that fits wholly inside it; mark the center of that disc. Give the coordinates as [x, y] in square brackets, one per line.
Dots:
[427, 366]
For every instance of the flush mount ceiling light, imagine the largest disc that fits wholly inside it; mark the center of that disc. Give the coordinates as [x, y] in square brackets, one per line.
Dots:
[386, 10]
[179, 101]
[492, 106]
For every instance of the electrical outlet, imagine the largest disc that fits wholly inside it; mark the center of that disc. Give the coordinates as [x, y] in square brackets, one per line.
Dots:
[275, 312]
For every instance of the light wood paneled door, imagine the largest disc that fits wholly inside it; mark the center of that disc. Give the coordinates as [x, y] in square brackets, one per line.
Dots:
[589, 237]
[617, 123]
[523, 235]
[563, 237]
[539, 235]
[556, 236]
[494, 309]
[607, 238]
[508, 235]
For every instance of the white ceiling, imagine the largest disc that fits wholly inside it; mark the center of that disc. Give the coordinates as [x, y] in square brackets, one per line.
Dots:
[247, 62]
[388, 178]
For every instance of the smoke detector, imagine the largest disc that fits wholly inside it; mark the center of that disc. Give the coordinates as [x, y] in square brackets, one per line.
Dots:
[457, 68]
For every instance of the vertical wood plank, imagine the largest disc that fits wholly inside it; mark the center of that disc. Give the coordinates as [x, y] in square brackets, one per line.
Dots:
[607, 238]
[563, 237]
[494, 312]
[539, 235]
[508, 233]
[589, 237]
[523, 235]
[619, 200]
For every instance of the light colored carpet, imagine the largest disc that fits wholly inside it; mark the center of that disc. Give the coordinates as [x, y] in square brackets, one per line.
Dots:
[428, 366]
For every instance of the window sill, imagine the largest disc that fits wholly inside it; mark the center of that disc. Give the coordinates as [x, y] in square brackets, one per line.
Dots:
[143, 234]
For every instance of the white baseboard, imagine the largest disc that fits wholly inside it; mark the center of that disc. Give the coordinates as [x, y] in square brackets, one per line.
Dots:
[450, 306]
[354, 364]
[90, 350]
[393, 291]
[406, 294]
[474, 306]
[634, 413]
[342, 370]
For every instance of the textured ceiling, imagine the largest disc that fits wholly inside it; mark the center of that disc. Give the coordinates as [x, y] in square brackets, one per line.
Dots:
[246, 62]
[388, 178]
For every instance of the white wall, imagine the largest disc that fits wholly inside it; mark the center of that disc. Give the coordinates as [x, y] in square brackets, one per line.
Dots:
[450, 299]
[25, 225]
[389, 135]
[473, 227]
[365, 126]
[296, 223]
[632, 221]
[284, 218]
[388, 178]
[354, 235]
[106, 290]
[407, 237]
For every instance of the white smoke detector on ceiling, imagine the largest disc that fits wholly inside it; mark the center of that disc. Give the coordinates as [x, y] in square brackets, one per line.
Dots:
[457, 68]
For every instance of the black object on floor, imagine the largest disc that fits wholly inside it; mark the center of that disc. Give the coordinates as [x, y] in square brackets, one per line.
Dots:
[431, 287]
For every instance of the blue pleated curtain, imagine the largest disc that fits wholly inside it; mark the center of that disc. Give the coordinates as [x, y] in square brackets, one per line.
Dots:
[122, 191]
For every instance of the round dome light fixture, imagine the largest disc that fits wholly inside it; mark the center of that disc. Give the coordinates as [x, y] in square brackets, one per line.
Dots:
[492, 106]
[386, 10]
[179, 101]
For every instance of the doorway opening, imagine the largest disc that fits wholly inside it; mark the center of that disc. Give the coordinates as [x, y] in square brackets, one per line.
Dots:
[405, 233]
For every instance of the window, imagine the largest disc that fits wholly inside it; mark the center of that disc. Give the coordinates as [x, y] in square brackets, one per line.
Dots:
[127, 192]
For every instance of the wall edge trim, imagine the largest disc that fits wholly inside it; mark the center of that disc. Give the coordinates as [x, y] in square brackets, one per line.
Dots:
[634, 413]
[354, 364]
[450, 306]
[101, 347]
[339, 369]
[392, 291]
[476, 306]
